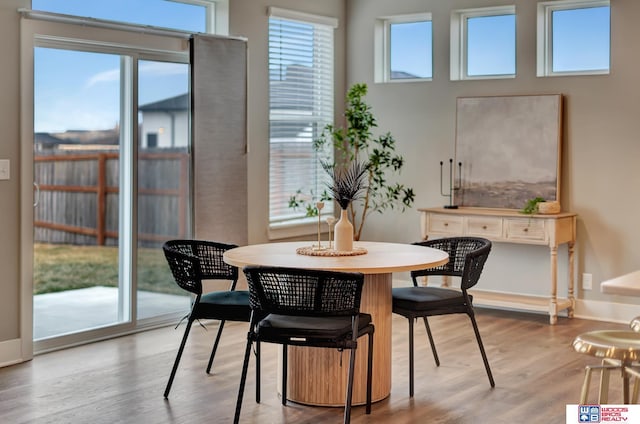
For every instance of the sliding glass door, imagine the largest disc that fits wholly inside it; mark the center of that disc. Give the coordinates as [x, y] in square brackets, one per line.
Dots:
[112, 178]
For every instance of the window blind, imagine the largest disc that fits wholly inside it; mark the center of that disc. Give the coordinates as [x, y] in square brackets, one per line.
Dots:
[300, 106]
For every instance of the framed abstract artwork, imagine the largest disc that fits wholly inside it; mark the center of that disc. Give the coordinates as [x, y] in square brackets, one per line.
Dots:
[509, 149]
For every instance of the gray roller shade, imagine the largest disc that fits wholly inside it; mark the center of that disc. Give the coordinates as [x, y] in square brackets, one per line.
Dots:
[219, 111]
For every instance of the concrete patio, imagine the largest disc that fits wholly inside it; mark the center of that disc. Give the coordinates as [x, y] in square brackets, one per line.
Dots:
[73, 310]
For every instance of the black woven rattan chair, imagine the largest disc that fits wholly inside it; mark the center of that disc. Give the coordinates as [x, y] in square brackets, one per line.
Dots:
[467, 256]
[191, 262]
[306, 308]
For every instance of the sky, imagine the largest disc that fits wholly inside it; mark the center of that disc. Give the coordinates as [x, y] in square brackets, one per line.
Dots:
[79, 90]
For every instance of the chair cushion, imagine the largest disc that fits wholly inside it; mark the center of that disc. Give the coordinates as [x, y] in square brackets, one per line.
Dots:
[426, 298]
[278, 328]
[224, 305]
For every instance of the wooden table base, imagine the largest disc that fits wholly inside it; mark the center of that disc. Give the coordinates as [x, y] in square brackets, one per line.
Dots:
[318, 376]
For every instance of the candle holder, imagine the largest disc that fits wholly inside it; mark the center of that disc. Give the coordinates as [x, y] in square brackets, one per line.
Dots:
[453, 186]
[319, 205]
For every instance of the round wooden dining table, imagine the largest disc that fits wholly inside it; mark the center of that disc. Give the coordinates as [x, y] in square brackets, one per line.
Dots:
[318, 376]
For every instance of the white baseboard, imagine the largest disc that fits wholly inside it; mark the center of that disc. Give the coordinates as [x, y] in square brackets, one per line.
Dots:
[11, 352]
[606, 311]
[585, 309]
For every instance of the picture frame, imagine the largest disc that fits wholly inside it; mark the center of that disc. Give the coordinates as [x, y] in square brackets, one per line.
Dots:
[508, 150]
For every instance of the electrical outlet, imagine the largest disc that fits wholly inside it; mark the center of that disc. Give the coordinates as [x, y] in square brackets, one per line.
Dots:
[587, 281]
[4, 169]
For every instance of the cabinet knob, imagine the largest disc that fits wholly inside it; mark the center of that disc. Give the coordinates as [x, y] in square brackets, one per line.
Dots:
[446, 224]
[525, 230]
[484, 227]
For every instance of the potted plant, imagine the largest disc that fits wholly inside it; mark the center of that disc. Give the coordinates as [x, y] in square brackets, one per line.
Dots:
[539, 205]
[531, 206]
[355, 143]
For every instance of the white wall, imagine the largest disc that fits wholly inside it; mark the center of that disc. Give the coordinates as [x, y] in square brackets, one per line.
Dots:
[600, 174]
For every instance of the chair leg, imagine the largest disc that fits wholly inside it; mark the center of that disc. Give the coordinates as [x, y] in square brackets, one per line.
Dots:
[347, 404]
[433, 345]
[243, 378]
[410, 357]
[258, 372]
[370, 372]
[481, 346]
[215, 346]
[285, 349]
[178, 356]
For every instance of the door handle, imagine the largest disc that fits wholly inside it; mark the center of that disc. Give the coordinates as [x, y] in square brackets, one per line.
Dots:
[37, 196]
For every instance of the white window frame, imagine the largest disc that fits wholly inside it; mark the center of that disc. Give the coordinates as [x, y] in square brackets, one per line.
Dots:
[301, 225]
[216, 17]
[459, 48]
[217, 14]
[382, 43]
[545, 35]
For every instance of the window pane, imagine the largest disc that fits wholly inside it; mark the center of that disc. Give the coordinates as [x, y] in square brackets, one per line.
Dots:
[160, 13]
[581, 39]
[491, 45]
[164, 170]
[300, 106]
[411, 50]
[76, 222]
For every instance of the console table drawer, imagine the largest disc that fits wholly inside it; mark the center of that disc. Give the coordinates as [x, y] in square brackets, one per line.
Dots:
[484, 227]
[445, 224]
[525, 230]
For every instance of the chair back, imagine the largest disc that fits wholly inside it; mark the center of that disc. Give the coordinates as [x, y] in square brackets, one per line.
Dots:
[303, 292]
[467, 256]
[192, 261]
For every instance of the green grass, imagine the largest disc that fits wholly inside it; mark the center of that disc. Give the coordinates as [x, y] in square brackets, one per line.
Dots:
[60, 267]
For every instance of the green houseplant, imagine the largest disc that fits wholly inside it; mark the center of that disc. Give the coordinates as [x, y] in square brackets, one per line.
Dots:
[531, 206]
[355, 142]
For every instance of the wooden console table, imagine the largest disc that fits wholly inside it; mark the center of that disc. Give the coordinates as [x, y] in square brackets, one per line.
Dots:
[511, 226]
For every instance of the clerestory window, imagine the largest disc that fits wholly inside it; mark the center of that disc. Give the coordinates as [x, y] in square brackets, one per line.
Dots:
[483, 43]
[573, 37]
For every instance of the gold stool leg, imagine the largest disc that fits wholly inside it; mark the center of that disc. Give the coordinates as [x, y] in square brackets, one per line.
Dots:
[633, 372]
[607, 363]
[625, 387]
[585, 384]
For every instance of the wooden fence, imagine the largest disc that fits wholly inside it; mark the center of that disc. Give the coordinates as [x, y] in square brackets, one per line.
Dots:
[79, 197]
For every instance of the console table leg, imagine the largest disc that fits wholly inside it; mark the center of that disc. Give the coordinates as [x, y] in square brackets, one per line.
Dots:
[553, 302]
[572, 299]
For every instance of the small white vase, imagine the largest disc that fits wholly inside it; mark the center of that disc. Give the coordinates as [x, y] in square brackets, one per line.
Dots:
[343, 233]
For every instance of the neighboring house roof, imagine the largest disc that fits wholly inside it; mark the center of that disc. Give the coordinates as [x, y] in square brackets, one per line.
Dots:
[105, 137]
[46, 139]
[403, 75]
[176, 103]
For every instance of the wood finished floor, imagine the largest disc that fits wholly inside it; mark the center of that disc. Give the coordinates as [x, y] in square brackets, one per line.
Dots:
[537, 373]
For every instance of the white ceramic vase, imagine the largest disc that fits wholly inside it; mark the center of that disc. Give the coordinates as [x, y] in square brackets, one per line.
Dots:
[343, 233]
